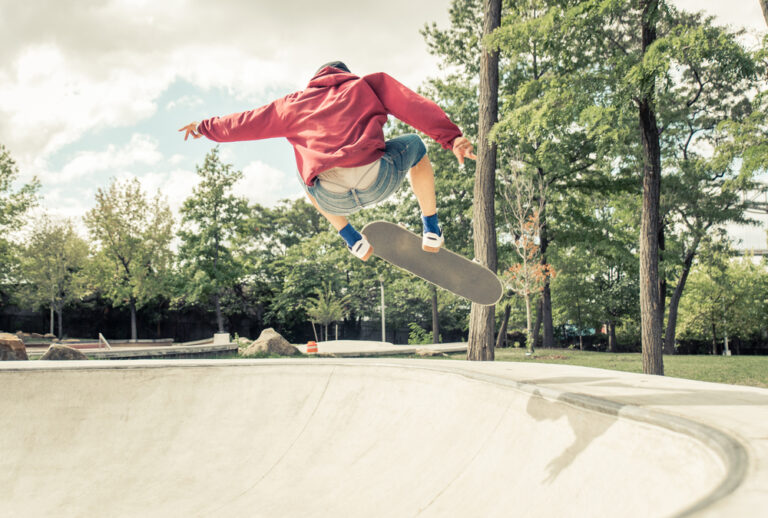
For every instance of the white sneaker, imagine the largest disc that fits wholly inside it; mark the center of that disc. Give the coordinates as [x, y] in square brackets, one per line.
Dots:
[362, 249]
[431, 242]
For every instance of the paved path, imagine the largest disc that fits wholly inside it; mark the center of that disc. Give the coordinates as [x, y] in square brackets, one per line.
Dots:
[374, 437]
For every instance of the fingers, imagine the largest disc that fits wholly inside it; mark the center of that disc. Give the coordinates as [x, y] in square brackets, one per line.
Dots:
[463, 149]
[190, 130]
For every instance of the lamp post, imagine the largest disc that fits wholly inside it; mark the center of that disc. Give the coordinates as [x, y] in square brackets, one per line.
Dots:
[383, 316]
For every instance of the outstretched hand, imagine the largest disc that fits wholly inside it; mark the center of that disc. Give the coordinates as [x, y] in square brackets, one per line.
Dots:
[191, 129]
[463, 148]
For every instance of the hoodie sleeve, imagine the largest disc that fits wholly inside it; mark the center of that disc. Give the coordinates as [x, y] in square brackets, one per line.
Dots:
[261, 123]
[414, 109]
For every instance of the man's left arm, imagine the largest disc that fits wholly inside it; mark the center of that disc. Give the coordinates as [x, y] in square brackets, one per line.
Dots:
[414, 109]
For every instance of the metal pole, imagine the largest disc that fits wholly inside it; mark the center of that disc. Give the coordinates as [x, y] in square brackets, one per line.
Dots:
[383, 316]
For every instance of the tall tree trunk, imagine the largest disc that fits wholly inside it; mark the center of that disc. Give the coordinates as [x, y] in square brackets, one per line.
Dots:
[674, 304]
[546, 294]
[61, 319]
[219, 317]
[650, 317]
[714, 338]
[536, 326]
[52, 329]
[581, 326]
[133, 320]
[501, 338]
[764, 5]
[435, 317]
[528, 323]
[481, 319]
[611, 336]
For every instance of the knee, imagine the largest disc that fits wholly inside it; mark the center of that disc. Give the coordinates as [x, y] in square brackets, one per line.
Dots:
[420, 149]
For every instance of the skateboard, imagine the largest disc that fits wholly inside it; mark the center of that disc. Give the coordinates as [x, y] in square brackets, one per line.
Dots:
[448, 270]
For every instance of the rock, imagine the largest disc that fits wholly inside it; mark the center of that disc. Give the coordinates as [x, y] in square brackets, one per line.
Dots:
[12, 348]
[35, 335]
[62, 352]
[243, 341]
[424, 352]
[49, 336]
[270, 342]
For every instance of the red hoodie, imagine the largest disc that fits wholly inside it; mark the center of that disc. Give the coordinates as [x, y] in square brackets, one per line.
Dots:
[336, 121]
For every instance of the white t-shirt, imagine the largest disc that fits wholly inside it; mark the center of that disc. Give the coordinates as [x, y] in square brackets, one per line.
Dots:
[344, 179]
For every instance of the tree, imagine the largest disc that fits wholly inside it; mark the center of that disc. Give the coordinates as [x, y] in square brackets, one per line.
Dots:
[650, 297]
[705, 80]
[213, 221]
[527, 277]
[54, 258]
[726, 297]
[481, 320]
[550, 118]
[13, 206]
[597, 282]
[326, 308]
[132, 236]
[764, 5]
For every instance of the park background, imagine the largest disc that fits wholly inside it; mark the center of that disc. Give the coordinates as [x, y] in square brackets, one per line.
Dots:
[113, 222]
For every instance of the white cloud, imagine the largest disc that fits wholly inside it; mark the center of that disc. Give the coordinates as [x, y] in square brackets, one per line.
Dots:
[186, 101]
[743, 14]
[90, 65]
[141, 149]
[267, 185]
[177, 159]
[174, 186]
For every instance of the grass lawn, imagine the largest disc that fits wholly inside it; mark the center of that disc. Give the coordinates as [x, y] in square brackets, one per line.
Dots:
[736, 370]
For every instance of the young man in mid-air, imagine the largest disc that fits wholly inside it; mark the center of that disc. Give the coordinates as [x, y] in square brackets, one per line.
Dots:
[335, 127]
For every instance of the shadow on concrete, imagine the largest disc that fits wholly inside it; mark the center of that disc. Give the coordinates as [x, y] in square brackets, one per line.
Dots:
[586, 428]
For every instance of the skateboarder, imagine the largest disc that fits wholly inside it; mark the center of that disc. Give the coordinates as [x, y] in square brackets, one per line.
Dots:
[344, 163]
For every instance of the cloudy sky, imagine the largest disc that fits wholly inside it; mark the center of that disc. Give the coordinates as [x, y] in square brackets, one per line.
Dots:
[96, 89]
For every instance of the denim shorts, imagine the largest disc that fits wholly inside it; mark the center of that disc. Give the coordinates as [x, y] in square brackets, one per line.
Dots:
[400, 154]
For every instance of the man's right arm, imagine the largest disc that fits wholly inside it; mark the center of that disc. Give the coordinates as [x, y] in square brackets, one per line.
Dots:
[261, 123]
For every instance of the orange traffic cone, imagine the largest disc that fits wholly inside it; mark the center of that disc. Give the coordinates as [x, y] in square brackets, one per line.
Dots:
[311, 347]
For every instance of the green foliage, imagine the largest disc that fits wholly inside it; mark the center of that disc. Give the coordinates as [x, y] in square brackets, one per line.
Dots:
[13, 205]
[214, 223]
[418, 335]
[52, 266]
[132, 237]
[725, 296]
[326, 308]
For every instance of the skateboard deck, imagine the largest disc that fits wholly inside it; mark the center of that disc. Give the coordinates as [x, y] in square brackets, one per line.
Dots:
[448, 270]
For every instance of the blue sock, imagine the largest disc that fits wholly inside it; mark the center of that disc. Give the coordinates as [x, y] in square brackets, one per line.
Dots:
[430, 224]
[350, 235]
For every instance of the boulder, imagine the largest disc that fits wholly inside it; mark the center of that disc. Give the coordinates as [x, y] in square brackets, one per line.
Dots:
[424, 352]
[270, 342]
[62, 352]
[35, 335]
[12, 348]
[49, 336]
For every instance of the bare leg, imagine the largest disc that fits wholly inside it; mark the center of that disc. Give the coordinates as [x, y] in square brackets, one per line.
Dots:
[422, 179]
[338, 222]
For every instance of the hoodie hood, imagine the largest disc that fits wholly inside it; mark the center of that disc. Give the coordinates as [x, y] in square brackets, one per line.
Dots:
[330, 76]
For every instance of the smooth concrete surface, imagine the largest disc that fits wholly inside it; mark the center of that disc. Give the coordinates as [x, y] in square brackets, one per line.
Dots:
[374, 437]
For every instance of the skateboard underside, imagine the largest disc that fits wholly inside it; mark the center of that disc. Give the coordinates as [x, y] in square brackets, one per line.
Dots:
[446, 269]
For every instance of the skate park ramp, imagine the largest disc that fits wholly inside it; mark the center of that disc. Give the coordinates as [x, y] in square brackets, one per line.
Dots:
[373, 437]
